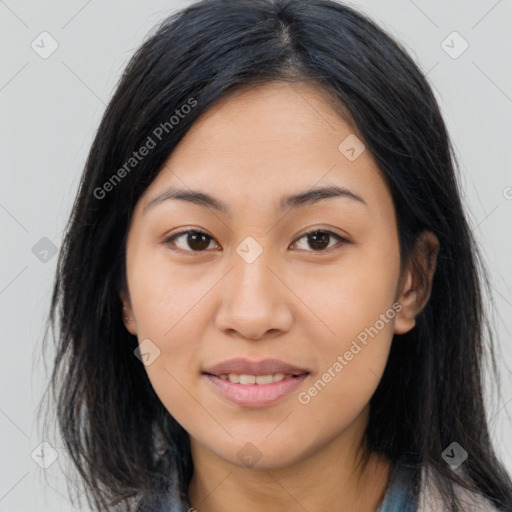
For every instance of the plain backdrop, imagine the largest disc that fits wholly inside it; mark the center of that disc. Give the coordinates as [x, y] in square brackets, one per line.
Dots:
[51, 107]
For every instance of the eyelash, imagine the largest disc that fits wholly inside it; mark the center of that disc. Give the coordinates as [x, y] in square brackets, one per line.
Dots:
[171, 239]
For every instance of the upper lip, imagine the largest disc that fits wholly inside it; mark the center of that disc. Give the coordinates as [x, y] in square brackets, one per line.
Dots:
[241, 366]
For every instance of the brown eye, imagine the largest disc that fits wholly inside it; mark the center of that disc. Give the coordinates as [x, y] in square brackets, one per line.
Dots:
[319, 240]
[191, 241]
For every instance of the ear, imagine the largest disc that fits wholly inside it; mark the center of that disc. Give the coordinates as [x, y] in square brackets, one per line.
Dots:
[128, 317]
[416, 284]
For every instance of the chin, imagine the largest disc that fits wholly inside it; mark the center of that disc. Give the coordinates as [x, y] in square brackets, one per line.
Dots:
[259, 453]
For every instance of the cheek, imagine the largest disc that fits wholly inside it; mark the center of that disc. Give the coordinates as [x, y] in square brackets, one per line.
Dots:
[165, 296]
[350, 297]
[168, 310]
[352, 343]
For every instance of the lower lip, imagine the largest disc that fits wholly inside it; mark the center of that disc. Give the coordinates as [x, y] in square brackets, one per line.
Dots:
[256, 395]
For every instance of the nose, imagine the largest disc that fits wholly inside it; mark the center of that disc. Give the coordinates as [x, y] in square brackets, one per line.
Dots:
[255, 302]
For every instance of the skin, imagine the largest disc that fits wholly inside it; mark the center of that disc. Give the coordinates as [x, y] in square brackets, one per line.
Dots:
[292, 303]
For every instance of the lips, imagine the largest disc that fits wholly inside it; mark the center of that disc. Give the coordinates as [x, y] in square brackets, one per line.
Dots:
[255, 383]
[255, 395]
[240, 366]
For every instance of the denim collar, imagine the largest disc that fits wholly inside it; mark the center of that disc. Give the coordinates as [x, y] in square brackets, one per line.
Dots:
[401, 496]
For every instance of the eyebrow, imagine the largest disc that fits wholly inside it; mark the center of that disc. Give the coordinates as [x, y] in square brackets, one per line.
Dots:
[292, 201]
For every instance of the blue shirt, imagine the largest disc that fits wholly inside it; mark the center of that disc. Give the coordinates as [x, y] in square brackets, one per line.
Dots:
[400, 496]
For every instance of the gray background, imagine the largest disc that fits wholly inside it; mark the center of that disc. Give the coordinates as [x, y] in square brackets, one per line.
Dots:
[51, 108]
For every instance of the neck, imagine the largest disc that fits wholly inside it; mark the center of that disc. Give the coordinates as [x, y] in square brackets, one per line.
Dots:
[335, 477]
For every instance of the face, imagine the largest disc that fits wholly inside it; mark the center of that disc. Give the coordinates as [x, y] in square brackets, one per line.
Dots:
[312, 284]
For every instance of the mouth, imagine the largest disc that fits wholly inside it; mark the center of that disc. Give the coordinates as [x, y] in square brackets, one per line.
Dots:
[255, 384]
[248, 379]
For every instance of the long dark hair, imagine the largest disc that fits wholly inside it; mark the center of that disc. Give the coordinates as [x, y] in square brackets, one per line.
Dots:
[431, 394]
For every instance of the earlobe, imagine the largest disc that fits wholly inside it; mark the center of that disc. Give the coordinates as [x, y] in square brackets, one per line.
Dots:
[417, 286]
[128, 318]
[405, 319]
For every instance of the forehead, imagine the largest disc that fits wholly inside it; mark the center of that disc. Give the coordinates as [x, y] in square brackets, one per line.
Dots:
[282, 118]
[266, 140]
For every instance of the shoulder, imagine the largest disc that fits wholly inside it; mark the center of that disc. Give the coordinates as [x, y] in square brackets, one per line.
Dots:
[430, 499]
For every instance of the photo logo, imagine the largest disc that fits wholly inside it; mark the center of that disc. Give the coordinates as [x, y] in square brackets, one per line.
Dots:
[147, 352]
[249, 455]
[454, 455]
[44, 45]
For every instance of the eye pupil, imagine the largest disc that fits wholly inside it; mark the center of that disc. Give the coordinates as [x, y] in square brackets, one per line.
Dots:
[200, 239]
[319, 240]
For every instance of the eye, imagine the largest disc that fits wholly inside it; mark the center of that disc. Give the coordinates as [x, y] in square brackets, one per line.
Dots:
[319, 240]
[196, 240]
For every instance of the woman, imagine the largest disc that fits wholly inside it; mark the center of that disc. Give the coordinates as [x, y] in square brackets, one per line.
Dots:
[268, 294]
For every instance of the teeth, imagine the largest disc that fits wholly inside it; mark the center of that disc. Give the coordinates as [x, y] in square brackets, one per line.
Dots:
[255, 379]
[263, 379]
[245, 379]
